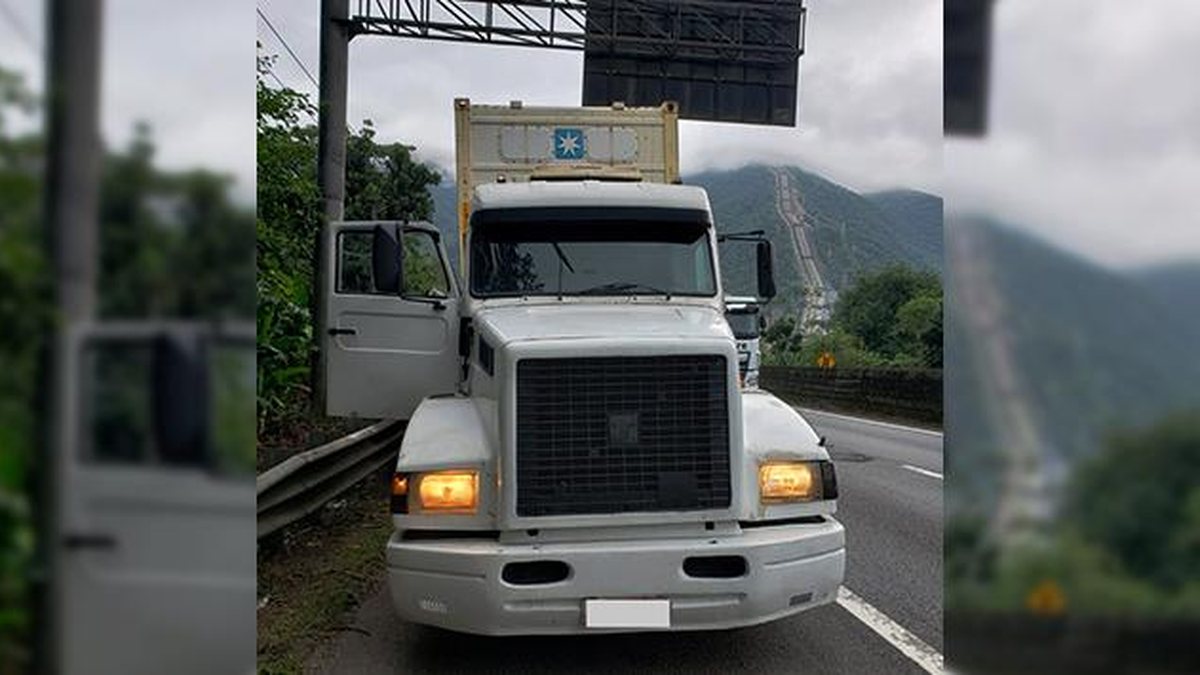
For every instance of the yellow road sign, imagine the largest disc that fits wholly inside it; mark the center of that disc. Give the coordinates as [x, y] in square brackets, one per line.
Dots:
[1046, 599]
[826, 360]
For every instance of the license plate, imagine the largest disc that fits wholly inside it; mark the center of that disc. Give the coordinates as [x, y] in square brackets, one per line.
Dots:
[627, 613]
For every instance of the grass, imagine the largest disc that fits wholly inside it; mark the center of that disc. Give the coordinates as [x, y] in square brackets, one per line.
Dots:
[312, 576]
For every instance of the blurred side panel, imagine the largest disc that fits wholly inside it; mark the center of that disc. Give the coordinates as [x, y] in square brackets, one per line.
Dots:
[1073, 311]
[127, 360]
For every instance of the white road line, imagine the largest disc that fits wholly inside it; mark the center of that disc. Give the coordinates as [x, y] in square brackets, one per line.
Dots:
[898, 636]
[923, 472]
[877, 423]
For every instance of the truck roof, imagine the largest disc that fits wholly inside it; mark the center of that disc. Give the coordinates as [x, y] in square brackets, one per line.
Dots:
[534, 194]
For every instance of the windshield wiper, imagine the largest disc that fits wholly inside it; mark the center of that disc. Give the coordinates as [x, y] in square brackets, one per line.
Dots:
[621, 288]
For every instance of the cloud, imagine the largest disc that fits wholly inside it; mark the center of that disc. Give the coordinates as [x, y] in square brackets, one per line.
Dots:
[869, 108]
[870, 91]
[187, 69]
[1094, 139]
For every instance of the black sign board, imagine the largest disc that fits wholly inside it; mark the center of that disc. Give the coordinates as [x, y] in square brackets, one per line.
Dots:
[966, 50]
[719, 60]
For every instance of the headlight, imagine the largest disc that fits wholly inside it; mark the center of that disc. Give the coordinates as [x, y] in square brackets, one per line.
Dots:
[781, 482]
[455, 491]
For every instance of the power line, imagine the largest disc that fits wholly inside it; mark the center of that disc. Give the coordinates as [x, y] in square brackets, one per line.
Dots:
[287, 47]
[299, 62]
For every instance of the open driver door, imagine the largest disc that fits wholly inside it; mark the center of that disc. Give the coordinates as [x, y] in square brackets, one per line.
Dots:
[391, 318]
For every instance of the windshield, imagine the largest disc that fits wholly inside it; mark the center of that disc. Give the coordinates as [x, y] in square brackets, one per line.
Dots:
[573, 258]
[743, 324]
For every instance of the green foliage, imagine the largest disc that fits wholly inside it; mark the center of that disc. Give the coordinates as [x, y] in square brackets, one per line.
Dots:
[383, 182]
[871, 310]
[891, 317]
[919, 327]
[171, 243]
[790, 349]
[289, 218]
[23, 302]
[1139, 500]
[1128, 539]
[780, 342]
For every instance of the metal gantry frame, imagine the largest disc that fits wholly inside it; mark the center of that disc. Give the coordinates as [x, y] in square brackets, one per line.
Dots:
[692, 29]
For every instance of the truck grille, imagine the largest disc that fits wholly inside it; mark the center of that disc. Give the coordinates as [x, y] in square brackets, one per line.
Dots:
[622, 434]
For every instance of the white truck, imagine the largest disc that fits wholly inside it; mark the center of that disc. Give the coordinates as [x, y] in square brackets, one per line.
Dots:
[746, 322]
[579, 456]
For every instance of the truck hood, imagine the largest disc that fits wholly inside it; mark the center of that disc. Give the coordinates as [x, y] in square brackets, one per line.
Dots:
[573, 321]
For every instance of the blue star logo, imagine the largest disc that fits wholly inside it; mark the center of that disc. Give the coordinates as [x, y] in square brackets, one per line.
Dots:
[569, 144]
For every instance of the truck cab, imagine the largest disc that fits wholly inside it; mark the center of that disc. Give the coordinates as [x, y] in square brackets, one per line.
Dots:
[746, 321]
[579, 455]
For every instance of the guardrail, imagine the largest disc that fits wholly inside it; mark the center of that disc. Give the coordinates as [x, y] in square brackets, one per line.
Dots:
[908, 394]
[1011, 642]
[304, 482]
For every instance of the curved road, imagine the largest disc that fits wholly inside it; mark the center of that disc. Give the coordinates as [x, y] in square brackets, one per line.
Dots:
[891, 504]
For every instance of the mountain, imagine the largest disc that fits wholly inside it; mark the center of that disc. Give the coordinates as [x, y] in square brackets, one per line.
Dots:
[444, 217]
[917, 219]
[1049, 353]
[851, 233]
[1177, 285]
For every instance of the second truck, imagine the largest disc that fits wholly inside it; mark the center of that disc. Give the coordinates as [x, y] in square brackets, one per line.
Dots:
[580, 455]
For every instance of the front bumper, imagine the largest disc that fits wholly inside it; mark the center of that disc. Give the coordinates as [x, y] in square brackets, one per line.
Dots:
[456, 584]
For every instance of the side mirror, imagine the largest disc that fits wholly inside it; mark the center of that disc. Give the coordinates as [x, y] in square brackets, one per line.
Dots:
[181, 397]
[385, 259]
[766, 271]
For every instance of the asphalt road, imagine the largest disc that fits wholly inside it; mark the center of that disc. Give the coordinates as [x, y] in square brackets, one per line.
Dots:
[891, 505]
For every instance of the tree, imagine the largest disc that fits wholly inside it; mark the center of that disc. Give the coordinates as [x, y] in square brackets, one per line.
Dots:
[1138, 500]
[171, 243]
[896, 313]
[383, 182]
[919, 324]
[24, 297]
[781, 340]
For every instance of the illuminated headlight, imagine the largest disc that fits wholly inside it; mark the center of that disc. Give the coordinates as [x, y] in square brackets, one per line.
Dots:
[781, 482]
[454, 491]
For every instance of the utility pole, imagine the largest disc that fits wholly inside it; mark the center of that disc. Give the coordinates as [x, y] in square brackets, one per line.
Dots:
[331, 163]
[72, 198]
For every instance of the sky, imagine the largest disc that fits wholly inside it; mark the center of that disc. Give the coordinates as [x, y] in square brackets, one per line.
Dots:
[1094, 140]
[186, 68]
[869, 105]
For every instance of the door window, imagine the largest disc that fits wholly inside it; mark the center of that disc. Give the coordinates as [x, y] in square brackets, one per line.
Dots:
[354, 263]
[118, 402]
[232, 424]
[424, 275]
[121, 406]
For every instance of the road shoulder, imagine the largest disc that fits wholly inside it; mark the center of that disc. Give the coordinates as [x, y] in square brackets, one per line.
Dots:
[314, 575]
